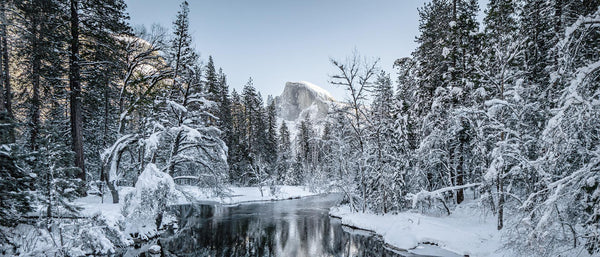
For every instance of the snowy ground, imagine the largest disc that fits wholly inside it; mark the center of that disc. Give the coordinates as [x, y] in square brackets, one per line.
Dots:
[466, 231]
[244, 194]
[190, 194]
[93, 204]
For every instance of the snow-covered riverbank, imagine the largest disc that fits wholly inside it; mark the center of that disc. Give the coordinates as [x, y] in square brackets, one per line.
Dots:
[191, 194]
[466, 231]
[106, 226]
[244, 194]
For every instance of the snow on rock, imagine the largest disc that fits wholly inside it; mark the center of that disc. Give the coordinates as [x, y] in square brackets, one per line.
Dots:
[466, 231]
[298, 97]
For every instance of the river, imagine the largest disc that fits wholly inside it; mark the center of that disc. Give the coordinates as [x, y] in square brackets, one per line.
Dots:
[300, 227]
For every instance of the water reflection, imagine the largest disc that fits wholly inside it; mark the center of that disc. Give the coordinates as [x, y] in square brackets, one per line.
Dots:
[284, 228]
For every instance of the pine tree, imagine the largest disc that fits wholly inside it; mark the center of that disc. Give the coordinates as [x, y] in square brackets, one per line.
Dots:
[104, 26]
[284, 152]
[75, 95]
[6, 97]
[387, 172]
[224, 109]
[211, 81]
[304, 169]
[500, 76]
[442, 152]
[238, 155]
[304, 140]
[569, 161]
[181, 55]
[42, 40]
[57, 179]
[270, 150]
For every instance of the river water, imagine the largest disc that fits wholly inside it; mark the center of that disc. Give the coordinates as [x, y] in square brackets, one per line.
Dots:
[300, 227]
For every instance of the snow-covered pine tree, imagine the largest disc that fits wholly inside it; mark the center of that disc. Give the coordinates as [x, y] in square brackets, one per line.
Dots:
[255, 134]
[14, 184]
[431, 56]
[566, 208]
[224, 109]
[387, 188]
[75, 95]
[196, 149]
[48, 159]
[284, 153]
[446, 54]
[182, 56]
[57, 180]
[238, 155]
[304, 152]
[509, 115]
[270, 151]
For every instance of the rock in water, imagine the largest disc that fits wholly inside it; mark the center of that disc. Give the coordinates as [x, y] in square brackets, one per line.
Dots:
[302, 99]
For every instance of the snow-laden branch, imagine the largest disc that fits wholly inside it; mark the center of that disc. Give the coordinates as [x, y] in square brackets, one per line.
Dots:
[436, 194]
[111, 154]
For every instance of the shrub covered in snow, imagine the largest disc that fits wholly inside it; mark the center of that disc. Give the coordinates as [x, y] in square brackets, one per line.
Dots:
[98, 235]
[144, 207]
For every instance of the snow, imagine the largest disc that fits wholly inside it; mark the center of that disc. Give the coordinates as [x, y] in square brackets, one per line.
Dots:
[152, 177]
[94, 205]
[437, 194]
[177, 107]
[467, 231]
[322, 93]
[141, 207]
[154, 249]
[152, 143]
[591, 181]
[110, 154]
[495, 102]
[445, 52]
[242, 194]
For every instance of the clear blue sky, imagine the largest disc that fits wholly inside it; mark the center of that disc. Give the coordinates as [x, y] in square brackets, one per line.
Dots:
[274, 41]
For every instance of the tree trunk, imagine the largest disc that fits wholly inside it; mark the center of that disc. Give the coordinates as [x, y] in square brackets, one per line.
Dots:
[113, 191]
[174, 152]
[111, 187]
[35, 83]
[75, 97]
[500, 189]
[500, 176]
[460, 195]
[2, 28]
[5, 89]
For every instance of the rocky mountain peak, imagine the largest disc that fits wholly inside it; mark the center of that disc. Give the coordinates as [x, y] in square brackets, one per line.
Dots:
[303, 99]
